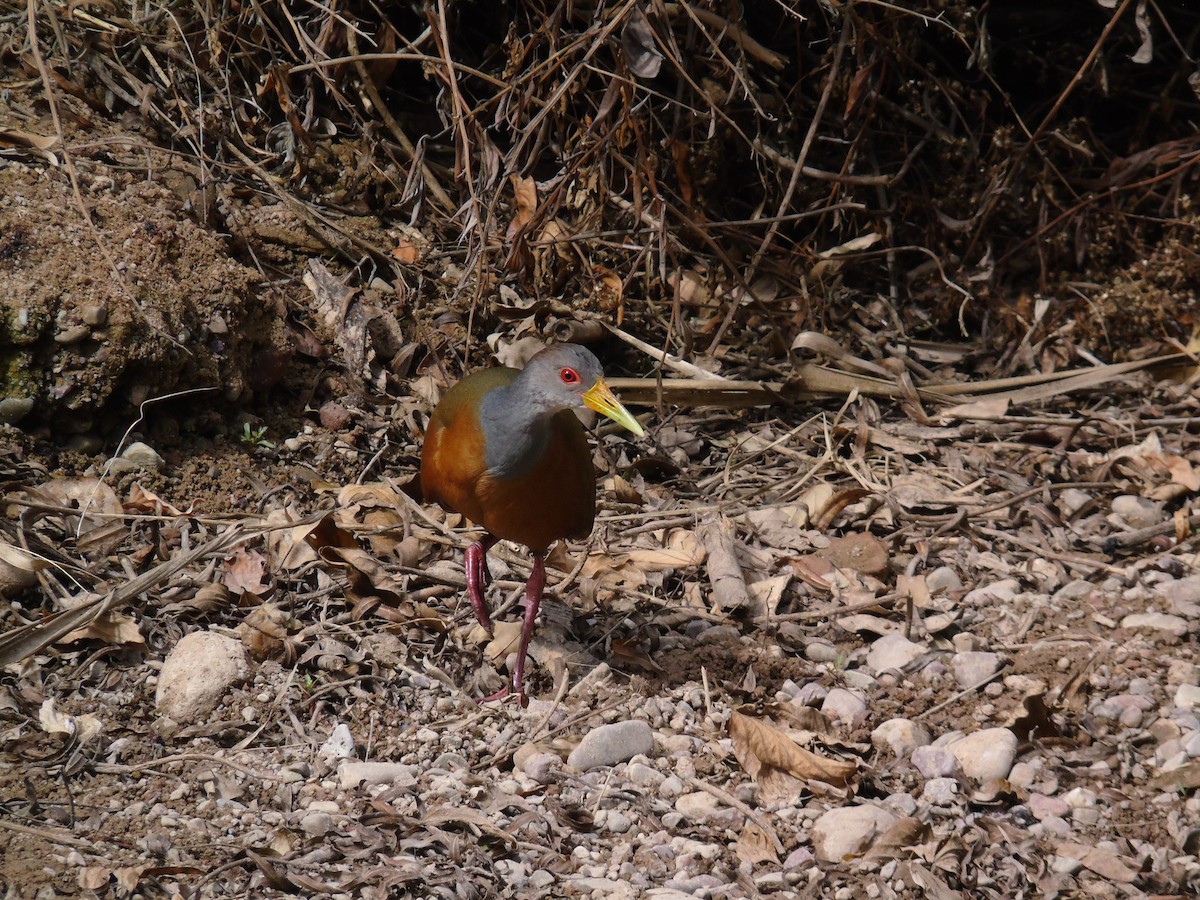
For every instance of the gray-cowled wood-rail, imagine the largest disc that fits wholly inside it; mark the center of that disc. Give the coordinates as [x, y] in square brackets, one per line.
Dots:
[504, 449]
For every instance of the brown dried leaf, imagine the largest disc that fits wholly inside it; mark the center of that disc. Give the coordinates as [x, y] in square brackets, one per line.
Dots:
[525, 205]
[754, 845]
[860, 552]
[506, 637]
[1104, 863]
[144, 501]
[729, 590]
[102, 528]
[110, 627]
[899, 841]
[244, 573]
[683, 551]
[264, 632]
[777, 763]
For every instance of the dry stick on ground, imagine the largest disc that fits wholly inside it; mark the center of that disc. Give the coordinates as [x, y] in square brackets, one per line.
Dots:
[25, 640]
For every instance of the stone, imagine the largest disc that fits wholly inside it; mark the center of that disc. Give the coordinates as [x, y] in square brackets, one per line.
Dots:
[934, 762]
[197, 673]
[1137, 512]
[986, 755]
[317, 824]
[14, 409]
[1156, 621]
[144, 457]
[943, 579]
[1183, 591]
[847, 707]
[893, 651]
[352, 773]
[848, 830]
[901, 736]
[542, 767]
[1187, 696]
[940, 791]
[698, 805]
[608, 745]
[1043, 807]
[974, 666]
[339, 744]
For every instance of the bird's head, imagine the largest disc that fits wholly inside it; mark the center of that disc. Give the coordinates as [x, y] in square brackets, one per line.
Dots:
[566, 376]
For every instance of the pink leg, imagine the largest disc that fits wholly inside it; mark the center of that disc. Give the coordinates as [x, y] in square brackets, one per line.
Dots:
[478, 577]
[533, 600]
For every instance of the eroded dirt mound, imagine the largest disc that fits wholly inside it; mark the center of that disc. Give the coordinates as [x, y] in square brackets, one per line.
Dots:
[138, 302]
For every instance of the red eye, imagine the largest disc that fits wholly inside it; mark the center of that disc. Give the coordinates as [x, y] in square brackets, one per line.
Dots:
[569, 376]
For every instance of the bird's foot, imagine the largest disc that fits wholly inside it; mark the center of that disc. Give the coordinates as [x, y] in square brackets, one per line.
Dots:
[478, 577]
[504, 692]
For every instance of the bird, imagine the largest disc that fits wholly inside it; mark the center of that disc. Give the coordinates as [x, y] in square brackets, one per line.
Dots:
[505, 449]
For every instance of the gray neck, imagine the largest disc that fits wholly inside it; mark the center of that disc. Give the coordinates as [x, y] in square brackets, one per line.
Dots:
[516, 429]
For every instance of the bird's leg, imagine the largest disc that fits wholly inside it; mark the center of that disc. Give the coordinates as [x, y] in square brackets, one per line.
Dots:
[533, 600]
[478, 577]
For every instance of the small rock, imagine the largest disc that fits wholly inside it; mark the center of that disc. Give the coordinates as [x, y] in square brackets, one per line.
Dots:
[72, 334]
[1043, 807]
[671, 787]
[1075, 590]
[14, 409]
[811, 694]
[901, 736]
[1064, 865]
[144, 457]
[541, 767]
[1055, 825]
[197, 673]
[1187, 696]
[1183, 591]
[640, 773]
[608, 745]
[1191, 744]
[317, 824]
[987, 754]
[618, 822]
[1137, 512]
[848, 707]
[339, 745]
[800, 857]
[95, 316]
[1022, 776]
[974, 666]
[334, 416]
[1156, 621]
[934, 762]
[943, 579]
[848, 830]
[940, 791]
[996, 593]
[822, 652]
[901, 803]
[353, 773]
[1180, 671]
[1122, 707]
[1080, 797]
[859, 681]
[1086, 816]
[698, 806]
[893, 651]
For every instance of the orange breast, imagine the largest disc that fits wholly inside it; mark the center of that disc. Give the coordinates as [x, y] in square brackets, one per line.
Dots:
[555, 499]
